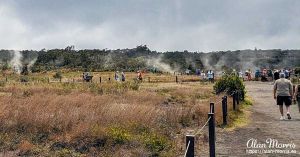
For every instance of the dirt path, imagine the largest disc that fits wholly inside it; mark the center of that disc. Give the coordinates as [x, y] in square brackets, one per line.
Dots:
[264, 124]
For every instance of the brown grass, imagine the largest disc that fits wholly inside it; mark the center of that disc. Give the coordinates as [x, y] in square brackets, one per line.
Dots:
[65, 118]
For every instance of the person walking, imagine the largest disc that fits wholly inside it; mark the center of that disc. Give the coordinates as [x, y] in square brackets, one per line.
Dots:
[210, 75]
[297, 96]
[123, 76]
[117, 75]
[276, 75]
[139, 76]
[283, 92]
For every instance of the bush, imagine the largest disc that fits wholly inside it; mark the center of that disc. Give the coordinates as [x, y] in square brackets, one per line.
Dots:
[57, 75]
[119, 135]
[155, 143]
[24, 79]
[5, 67]
[229, 84]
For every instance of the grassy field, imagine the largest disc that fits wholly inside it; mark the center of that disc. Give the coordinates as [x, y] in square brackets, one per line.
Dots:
[101, 119]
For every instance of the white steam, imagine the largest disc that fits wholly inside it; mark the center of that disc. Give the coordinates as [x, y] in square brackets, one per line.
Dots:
[16, 61]
[31, 63]
[158, 64]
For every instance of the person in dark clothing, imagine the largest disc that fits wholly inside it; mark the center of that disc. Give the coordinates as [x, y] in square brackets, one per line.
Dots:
[123, 76]
[276, 75]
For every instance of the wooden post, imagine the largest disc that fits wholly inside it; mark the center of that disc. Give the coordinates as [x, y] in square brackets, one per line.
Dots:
[212, 135]
[233, 101]
[212, 107]
[238, 97]
[176, 79]
[100, 79]
[190, 145]
[224, 110]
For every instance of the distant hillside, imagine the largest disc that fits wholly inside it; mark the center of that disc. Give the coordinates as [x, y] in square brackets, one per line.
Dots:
[142, 57]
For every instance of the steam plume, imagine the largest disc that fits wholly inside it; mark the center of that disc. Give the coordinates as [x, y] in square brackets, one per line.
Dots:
[16, 61]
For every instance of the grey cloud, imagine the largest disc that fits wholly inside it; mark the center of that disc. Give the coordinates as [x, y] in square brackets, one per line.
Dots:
[162, 24]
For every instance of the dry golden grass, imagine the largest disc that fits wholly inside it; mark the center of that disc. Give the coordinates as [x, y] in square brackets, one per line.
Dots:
[69, 118]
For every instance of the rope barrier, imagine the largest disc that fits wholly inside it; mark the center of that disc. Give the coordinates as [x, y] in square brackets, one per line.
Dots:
[200, 130]
[219, 102]
[186, 150]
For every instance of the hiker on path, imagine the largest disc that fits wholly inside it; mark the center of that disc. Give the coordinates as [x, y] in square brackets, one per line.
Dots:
[297, 96]
[117, 75]
[276, 75]
[283, 92]
[123, 76]
[287, 74]
[203, 76]
[139, 76]
[210, 75]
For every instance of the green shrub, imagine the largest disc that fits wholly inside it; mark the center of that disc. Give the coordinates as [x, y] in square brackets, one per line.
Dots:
[229, 84]
[119, 135]
[57, 75]
[5, 67]
[24, 79]
[155, 143]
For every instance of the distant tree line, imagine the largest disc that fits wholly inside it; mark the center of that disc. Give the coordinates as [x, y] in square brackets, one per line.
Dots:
[142, 57]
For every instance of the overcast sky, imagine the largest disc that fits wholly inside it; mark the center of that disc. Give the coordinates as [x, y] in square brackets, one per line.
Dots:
[163, 25]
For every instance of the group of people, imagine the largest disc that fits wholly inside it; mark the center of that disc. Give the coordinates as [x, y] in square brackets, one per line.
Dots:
[285, 94]
[120, 76]
[210, 75]
[286, 72]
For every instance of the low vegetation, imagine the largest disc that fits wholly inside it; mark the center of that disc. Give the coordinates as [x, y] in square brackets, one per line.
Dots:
[240, 117]
[41, 118]
[230, 84]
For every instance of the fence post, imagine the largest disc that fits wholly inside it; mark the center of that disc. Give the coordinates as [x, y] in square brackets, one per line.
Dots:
[233, 101]
[190, 145]
[100, 79]
[212, 135]
[238, 97]
[176, 79]
[212, 107]
[224, 110]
